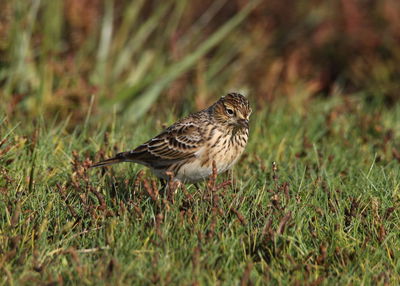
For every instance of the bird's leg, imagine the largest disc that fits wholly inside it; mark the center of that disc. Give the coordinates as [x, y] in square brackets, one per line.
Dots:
[197, 186]
[168, 188]
[164, 185]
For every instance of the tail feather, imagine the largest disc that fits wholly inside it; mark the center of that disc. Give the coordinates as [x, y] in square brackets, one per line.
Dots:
[107, 162]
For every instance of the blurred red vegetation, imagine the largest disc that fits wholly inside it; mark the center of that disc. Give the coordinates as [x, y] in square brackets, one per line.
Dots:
[339, 41]
[317, 46]
[82, 20]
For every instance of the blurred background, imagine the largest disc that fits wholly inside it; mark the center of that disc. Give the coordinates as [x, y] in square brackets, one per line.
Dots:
[60, 58]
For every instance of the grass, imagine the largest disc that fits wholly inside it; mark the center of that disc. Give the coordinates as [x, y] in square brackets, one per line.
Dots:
[324, 88]
[128, 58]
[326, 213]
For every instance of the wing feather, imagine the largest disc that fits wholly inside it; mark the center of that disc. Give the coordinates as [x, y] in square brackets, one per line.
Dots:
[178, 142]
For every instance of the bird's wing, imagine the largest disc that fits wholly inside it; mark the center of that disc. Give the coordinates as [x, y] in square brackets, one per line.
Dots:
[177, 143]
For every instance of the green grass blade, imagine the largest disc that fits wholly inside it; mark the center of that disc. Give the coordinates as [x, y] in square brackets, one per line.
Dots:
[143, 103]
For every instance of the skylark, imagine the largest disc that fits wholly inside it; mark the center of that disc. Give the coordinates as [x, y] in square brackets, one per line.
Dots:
[188, 148]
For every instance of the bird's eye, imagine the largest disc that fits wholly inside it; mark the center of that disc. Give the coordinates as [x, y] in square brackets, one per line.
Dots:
[230, 111]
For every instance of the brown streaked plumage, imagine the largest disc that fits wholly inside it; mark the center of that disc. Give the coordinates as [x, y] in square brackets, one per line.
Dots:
[187, 148]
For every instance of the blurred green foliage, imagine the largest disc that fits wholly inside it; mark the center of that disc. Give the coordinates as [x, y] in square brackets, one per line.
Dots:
[138, 55]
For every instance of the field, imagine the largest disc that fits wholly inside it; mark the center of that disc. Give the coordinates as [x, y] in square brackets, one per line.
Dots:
[327, 211]
[314, 200]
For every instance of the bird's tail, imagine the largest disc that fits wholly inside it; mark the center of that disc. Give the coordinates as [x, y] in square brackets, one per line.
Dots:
[117, 159]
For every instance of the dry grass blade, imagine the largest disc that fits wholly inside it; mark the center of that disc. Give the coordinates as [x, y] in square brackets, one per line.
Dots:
[283, 223]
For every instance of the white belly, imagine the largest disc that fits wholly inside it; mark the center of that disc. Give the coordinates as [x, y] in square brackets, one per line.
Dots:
[196, 170]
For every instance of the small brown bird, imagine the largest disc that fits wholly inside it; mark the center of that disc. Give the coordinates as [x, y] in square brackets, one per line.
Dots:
[188, 148]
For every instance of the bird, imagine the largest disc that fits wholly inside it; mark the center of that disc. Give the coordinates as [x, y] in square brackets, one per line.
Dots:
[188, 148]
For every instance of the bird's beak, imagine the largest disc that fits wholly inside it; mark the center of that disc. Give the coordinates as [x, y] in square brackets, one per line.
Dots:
[243, 123]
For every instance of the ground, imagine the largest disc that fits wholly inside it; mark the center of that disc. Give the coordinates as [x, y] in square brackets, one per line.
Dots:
[314, 200]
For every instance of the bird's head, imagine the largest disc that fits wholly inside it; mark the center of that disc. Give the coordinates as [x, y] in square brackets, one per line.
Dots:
[233, 111]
